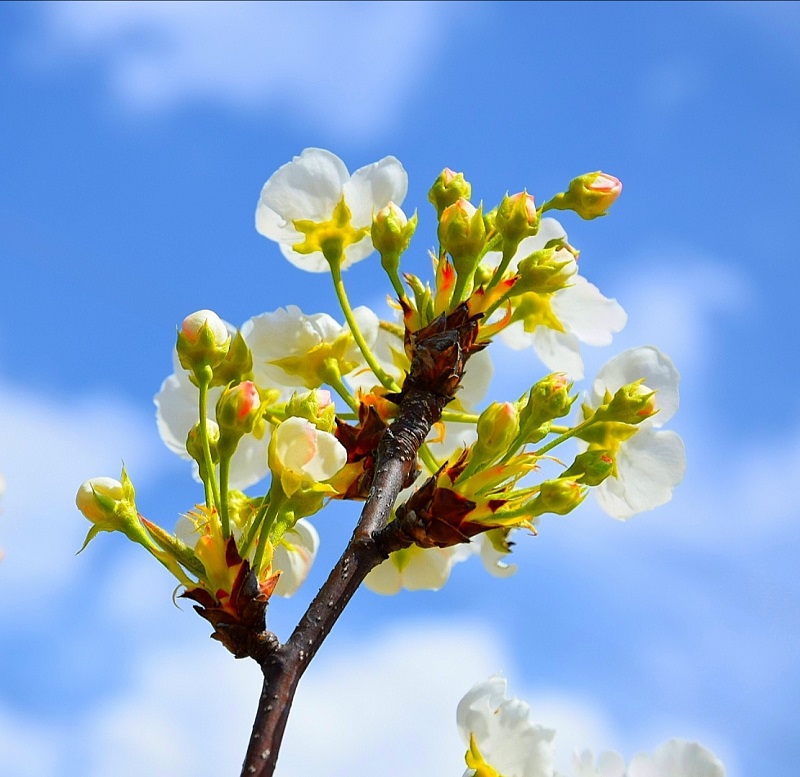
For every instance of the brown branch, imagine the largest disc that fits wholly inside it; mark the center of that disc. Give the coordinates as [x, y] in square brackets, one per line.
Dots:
[439, 353]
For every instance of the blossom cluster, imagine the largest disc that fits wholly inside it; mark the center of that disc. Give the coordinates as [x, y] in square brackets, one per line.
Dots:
[304, 400]
[503, 741]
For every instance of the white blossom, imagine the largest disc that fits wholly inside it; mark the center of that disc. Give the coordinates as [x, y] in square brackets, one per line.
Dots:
[504, 734]
[294, 555]
[585, 315]
[311, 186]
[653, 461]
[305, 451]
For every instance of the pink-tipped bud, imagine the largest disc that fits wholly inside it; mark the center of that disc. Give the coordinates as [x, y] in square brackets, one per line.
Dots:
[517, 217]
[497, 427]
[589, 195]
[462, 234]
[203, 341]
[631, 404]
[447, 189]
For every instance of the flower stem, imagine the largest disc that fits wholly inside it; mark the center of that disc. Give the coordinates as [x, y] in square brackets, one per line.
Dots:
[565, 436]
[335, 263]
[224, 477]
[213, 504]
[508, 255]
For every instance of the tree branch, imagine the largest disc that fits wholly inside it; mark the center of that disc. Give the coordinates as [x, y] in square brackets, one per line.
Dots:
[439, 353]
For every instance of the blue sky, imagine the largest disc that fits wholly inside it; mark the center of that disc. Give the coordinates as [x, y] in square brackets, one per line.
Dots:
[135, 140]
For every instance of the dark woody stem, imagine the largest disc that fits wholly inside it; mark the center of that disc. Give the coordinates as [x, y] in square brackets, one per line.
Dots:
[426, 391]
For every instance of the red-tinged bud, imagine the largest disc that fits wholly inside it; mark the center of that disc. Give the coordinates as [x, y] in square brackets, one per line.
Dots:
[559, 496]
[630, 405]
[462, 234]
[203, 341]
[517, 218]
[392, 230]
[591, 467]
[589, 195]
[238, 410]
[447, 189]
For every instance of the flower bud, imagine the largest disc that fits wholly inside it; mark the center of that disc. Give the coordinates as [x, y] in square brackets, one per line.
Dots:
[203, 341]
[392, 231]
[630, 405]
[237, 364]
[462, 234]
[238, 410]
[545, 271]
[548, 399]
[589, 195]
[194, 442]
[98, 498]
[592, 467]
[447, 189]
[517, 218]
[559, 496]
[315, 406]
[498, 425]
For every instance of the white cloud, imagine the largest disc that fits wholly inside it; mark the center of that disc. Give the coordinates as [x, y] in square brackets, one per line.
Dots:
[347, 67]
[49, 448]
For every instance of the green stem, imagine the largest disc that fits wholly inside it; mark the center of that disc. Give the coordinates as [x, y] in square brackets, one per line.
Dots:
[224, 477]
[508, 255]
[211, 475]
[459, 418]
[334, 380]
[428, 459]
[565, 436]
[269, 518]
[458, 291]
[335, 263]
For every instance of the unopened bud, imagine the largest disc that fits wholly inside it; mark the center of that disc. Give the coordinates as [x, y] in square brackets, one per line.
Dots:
[392, 230]
[315, 406]
[630, 405]
[238, 410]
[462, 234]
[592, 467]
[98, 499]
[517, 218]
[448, 188]
[498, 425]
[194, 443]
[548, 399]
[589, 195]
[559, 496]
[203, 341]
[544, 271]
[237, 364]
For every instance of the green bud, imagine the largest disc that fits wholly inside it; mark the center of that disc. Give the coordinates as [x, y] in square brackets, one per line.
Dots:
[194, 443]
[544, 271]
[498, 426]
[237, 364]
[203, 341]
[392, 231]
[589, 195]
[462, 234]
[592, 467]
[559, 496]
[630, 405]
[548, 399]
[517, 218]
[238, 411]
[315, 406]
[447, 189]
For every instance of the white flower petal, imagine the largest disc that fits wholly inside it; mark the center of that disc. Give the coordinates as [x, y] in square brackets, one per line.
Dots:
[476, 380]
[559, 351]
[308, 187]
[646, 363]
[504, 733]
[249, 462]
[314, 262]
[609, 764]
[294, 556]
[650, 464]
[586, 313]
[493, 559]
[677, 758]
[373, 187]
[416, 569]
